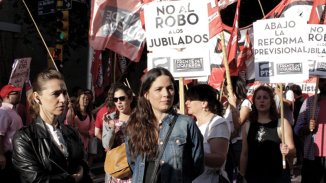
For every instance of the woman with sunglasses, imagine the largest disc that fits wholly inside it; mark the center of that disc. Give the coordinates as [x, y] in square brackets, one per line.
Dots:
[47, 150]
[182, 159]
[115, 123]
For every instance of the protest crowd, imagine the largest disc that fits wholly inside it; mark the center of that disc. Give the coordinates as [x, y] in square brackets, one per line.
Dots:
[245, 115]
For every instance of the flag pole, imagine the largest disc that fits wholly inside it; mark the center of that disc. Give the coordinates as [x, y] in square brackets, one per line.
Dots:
[312, 113]
[226, 66]
[261, 8]
[282, 122]
[38, 31]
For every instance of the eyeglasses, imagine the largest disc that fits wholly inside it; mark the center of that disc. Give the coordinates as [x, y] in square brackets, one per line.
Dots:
[122, 98]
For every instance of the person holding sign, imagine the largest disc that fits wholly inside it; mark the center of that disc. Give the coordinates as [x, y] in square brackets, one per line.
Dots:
[46, 150]
[162, 146]
[311, 127]
[202, 103]
[262, 150]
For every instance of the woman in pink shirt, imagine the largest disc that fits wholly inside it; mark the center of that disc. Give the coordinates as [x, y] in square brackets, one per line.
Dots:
[83, 121]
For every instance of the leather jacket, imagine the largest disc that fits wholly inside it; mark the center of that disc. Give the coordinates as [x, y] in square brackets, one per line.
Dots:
[38, 159]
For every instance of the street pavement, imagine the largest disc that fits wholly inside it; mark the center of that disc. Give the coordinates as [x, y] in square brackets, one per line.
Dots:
[97, 172]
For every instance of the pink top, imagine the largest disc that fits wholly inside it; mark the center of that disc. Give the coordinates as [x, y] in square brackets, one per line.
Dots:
[85, 128]
[10, 122]
[320, 137]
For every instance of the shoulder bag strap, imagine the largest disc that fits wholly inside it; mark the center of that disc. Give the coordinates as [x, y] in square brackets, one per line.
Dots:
[161, 150]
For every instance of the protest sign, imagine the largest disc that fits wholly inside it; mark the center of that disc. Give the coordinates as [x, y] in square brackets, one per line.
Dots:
[176, 24]
[20, 71]
[317, 40]
[280, 50]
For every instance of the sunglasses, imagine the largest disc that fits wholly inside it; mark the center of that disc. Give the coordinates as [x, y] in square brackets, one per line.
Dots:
[122, 98]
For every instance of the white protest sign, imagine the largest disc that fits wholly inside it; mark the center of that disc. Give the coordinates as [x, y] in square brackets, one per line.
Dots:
[317, 53]
[188, 63]
[278, 37]
[280, 48]
[176, 24]
[20, 71]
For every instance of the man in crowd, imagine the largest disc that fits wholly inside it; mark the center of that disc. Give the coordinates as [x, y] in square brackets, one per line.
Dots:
[10, 122]
[311, 127]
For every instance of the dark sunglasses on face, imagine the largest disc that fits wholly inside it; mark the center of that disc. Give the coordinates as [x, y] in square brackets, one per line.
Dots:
[122, 98]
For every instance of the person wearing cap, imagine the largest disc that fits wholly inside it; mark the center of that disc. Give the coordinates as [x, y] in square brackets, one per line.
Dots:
[10, 122]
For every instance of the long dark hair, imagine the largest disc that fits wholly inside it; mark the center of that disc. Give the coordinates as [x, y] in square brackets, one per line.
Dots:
[273, 114]
[239, 87]
[141, 128]
[204, 92]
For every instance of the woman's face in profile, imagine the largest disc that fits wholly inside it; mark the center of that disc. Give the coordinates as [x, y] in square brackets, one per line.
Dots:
[53, 97]
[161, 94]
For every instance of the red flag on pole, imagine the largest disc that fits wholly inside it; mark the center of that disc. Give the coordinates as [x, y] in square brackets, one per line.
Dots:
[318, 13]
[233, 42]
[116, 25]
[214, 18]
[246, 51]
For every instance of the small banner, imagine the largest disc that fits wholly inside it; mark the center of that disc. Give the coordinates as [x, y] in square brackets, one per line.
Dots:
[20, 71]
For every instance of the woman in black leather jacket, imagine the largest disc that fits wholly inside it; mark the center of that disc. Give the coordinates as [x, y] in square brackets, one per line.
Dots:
[47, 151]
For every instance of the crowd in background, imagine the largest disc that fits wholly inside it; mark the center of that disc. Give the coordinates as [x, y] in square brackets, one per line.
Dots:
[224, 136]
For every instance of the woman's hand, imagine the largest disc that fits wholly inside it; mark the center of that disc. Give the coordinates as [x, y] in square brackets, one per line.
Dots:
[108, 121]
[284, 149]
[232, 99]
[79, 175]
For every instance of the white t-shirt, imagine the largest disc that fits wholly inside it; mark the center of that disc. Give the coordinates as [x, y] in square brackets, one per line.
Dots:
[217, 128]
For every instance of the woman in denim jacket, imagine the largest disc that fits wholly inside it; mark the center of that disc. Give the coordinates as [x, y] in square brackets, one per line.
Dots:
[182, 159]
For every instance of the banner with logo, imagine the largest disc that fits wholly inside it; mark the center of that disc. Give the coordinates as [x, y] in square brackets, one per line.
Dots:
[280, 52]
[191, 63]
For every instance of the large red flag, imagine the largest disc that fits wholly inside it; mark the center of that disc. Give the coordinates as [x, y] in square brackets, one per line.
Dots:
[214, 18]
[317, 15]
[233, 43]
[116, 25]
